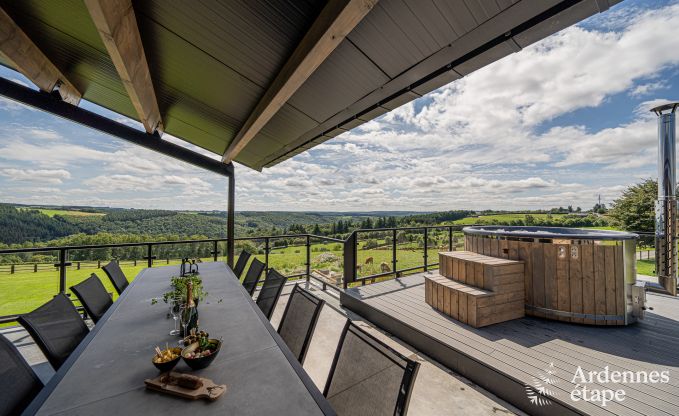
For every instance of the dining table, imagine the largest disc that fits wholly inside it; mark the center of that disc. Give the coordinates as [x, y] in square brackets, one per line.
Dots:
[106, 372]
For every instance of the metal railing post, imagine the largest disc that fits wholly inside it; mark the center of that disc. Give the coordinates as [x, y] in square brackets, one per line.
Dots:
[308, 258]
[349, 253]
[149, 255]
[426, 243]
[393, 253]
[63, 255]
[450, 238]
[267, 248]
[215, 252]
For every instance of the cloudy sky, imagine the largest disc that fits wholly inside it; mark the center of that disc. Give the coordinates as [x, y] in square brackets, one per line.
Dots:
[558, 123]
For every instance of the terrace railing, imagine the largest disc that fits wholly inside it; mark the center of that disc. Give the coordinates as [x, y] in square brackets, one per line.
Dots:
[406, 250]
[365, 256]
[73, 263]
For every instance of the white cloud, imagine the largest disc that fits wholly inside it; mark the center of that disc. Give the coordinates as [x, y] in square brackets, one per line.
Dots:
[132, 183]
[43, 134]
[648, 88]
[51, 176]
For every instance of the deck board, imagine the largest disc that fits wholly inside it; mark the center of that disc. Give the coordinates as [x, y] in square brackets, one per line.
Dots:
[520, 349]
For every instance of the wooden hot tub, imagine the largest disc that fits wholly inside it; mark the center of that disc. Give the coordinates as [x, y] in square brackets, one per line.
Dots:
[574, 275]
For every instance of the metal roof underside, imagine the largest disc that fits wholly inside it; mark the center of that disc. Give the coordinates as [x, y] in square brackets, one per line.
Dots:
[211, 62]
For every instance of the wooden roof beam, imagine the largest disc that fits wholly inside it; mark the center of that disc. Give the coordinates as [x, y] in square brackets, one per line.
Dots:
[28, 59]
[334, 23]
[117, 26]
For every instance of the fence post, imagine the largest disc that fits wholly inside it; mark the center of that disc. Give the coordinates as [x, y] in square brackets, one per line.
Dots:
[267, 248]
[393, 252]
[450, 239]
[98, 264]
[426, 243]
[11, 269]
[35, 268]
[308, 257]
[135, 262]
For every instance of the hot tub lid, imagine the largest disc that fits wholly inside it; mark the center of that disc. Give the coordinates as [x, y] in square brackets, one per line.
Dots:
[549, 232]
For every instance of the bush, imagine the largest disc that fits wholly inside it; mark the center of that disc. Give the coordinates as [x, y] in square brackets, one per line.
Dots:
[370, 244]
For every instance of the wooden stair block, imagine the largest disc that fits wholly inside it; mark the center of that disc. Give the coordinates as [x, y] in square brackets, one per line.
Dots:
[472, 305]
[479, 270]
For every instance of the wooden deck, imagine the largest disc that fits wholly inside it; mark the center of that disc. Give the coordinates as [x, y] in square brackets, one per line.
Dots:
[507, 357]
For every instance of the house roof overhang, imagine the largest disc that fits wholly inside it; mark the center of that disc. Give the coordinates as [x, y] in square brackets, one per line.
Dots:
[258, 82]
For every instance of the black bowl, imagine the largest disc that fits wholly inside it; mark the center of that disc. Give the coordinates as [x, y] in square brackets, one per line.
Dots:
[167, 365]
[202, 362]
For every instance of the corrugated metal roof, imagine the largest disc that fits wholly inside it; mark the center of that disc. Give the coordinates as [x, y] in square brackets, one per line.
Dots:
[211, 61]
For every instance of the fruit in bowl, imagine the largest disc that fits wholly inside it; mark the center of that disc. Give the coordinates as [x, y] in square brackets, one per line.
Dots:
[165, 360]
[201, 353]
[195, 337]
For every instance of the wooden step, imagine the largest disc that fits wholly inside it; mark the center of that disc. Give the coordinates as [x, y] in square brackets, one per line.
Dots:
[471, 305]
[484, 272]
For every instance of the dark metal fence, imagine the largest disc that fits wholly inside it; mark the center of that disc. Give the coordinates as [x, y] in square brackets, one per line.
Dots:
[397, 240]
[397, 251]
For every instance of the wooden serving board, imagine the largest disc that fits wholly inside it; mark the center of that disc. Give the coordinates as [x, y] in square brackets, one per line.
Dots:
[166, 384]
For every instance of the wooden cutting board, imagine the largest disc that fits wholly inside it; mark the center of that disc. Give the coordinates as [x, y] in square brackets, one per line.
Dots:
[167, 383]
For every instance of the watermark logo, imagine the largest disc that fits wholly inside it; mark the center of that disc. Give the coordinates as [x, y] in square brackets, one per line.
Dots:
[600, 387]
[540, 390]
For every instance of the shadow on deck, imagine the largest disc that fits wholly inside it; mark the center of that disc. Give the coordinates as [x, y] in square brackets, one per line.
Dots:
[511, 359]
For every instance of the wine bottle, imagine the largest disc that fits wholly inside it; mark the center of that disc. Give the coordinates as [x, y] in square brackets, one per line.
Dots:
[190, 310]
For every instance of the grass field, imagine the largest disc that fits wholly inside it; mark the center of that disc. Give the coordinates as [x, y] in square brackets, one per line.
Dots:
[63, 212]
[501, 218]
[646, 267]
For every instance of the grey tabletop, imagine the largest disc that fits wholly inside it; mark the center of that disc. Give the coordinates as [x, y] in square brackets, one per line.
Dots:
[106, 374]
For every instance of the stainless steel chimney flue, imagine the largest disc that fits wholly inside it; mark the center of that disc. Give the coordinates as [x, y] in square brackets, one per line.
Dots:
[666, 205]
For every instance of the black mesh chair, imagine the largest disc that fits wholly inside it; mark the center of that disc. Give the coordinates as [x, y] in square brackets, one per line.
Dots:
[56, 327]
[18, 383]
[367, 377]
[270, 292]
[253, 275]
[93, 296]
[116, 275]
[299, 321]
[241, 263]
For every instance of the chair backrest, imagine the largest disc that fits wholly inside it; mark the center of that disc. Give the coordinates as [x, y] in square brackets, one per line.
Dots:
[299, 321]
[56, 327]
[368, 377]
[241, 263]
[116, 275]
[18, 383]
[270, 292]
[93, 296]
[253, 275]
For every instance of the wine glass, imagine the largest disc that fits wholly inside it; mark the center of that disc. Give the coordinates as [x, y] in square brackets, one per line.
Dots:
[185, 315]
[174, 311]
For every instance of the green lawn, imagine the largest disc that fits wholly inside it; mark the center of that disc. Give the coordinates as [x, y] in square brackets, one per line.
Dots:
[646, 267]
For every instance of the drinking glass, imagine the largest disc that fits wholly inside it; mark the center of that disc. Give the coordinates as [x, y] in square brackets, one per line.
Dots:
[174, 311]
[185, 315]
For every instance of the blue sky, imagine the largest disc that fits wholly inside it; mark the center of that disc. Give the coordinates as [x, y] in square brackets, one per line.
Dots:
[556, 124]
